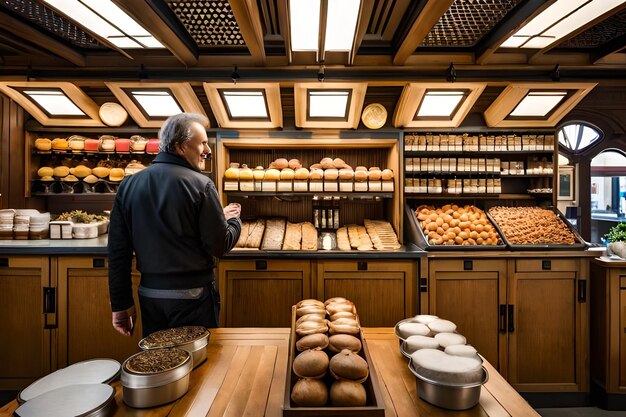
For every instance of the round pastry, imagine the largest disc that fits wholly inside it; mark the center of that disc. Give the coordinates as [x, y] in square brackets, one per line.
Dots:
[387, 174]
[315, 166]
[417, 342]
[43, 144]
[116, 174]
[316, 174]
[301, 174]
[59, 144]
[360, 175]
[245, 173]
[360, 168]
[339, 163]
[312, 341]
[345, 393]
[310, 302]
[348, 365]
[449, 339]
[280, 163]
[81, 171]
[410, 329]
[374, 174]
[101, 172]
[309, 392]
[462, 350]
[346, 174]
[331, 174]
[286, 174]
[45, 172]
[259, 173]
[90, 179]
[311, 364]
[294, 164]
[339, 342]
[272, 174]
[442, 326]
[327, 163]
[61, 171]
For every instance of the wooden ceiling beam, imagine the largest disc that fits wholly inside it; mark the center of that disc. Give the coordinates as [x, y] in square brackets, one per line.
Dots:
[249, 21]
[537, 56]
[21, 46]
[422, 25]
[523, 14]
[34, 36]
[159, 21]
[611, 47]
[367, 7]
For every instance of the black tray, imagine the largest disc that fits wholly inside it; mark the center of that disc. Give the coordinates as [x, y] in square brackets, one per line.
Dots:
[422, 241]
[547, 246]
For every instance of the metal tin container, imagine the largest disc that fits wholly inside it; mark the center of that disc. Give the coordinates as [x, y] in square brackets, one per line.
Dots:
[85, 400]
[447, 395]
[193, 339]
[148, 388]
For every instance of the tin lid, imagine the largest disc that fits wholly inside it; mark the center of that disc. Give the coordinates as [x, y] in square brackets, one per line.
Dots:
[84, 400]
[156, 367]
[189, 338]
[94, 371]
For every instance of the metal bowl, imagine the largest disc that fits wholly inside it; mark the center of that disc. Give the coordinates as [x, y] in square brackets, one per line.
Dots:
[448, 395]
[141, 390]
[197, 346]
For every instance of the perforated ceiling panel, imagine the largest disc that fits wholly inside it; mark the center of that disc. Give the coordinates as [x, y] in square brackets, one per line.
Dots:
[51, 21]
[467, 21]
[210, 23]
[599, 34]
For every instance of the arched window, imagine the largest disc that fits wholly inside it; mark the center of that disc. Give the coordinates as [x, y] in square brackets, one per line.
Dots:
[608, 192]
[577, 136]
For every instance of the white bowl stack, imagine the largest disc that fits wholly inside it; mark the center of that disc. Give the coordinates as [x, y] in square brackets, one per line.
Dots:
[39, 225]
[21, 224]
[6, 223]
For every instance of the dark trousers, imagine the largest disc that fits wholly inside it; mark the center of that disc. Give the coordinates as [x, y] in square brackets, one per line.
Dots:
[159, 313]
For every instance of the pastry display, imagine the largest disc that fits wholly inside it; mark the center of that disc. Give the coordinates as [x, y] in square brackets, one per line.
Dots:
[454, 225]
[532, 226]
[43, 144]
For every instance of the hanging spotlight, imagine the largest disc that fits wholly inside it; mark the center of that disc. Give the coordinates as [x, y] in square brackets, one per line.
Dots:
[555, 75]
[321, 76]
[451, 73]
[235, 75]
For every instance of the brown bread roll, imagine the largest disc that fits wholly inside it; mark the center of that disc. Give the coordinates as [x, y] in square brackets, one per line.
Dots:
[331, 174]
[348, 365]
[387, 174]
[339, 163]
[327, 163]
[311, 364]
[339, 342]
[294, 164]
[346, 174]
[280, 163]
[272, 175]
[312, 341]
[316, 174]
[347, 394]
[361, 175]
[308, 392]
[301, 174]
[375, 175]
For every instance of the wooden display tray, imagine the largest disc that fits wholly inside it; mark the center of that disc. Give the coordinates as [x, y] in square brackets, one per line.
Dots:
[375, 406]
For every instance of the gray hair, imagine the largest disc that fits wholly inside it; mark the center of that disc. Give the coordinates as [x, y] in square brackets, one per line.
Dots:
[177, 129]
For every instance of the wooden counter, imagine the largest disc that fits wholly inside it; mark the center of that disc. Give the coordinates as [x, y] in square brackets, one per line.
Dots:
[245, 373]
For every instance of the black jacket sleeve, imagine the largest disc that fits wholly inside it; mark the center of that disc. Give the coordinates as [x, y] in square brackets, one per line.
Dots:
[218, 235]
[120, 251]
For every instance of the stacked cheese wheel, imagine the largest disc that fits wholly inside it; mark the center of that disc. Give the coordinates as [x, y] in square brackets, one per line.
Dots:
[328, 342]
[454, 225]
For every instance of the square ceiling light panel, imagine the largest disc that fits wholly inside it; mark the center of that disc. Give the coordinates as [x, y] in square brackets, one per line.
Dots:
[435, 104]
[107, 21]
[304, 20]
[557, 21]
[535, 104]
[329, 105]
[246, 105]
[54, 103]
[341, 19]
[150, 103]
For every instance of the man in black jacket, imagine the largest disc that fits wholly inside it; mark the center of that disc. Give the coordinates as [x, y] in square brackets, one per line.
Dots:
[170, 215]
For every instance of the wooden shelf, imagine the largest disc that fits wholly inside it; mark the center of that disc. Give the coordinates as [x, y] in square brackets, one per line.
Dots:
[448, 174]
[419, 196]
[321, 194]
[474, 153]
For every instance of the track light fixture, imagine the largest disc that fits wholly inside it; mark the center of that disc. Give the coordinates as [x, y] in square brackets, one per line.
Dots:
[451, 73]
[321, 76]
[555, 75]
[235, 75]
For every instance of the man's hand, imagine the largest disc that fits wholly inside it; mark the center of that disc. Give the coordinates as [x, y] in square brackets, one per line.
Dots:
[232, 210]
[124, 321]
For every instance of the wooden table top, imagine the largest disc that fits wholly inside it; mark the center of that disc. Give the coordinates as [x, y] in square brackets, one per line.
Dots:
[245, 374]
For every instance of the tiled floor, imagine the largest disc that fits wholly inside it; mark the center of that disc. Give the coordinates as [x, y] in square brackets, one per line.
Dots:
[579, 412]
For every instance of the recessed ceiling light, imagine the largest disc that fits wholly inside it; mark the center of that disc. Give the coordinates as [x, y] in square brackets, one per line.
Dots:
[558, 20]
[440, 103]
[108, 21]
[157, 103]
[328, 103]
[54, 102]
[538, 103]
[341, 21]
[304, 20]
[245, 103]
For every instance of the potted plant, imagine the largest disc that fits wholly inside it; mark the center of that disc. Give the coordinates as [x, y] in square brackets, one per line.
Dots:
[617, 240]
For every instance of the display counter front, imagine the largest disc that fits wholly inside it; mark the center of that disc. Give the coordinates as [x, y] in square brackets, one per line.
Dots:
[246, 369]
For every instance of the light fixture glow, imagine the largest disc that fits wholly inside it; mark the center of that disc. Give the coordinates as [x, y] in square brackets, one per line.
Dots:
[157, 103]
[246, 103]
[304, 20]
[341, 22]
[328, 103]
[538, 103]
[55, 102]
[106, 20]
[557, 21]
[440, 103]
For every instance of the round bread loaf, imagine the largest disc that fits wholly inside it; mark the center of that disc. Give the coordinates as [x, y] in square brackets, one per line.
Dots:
[334, 308]
[442, 326]
[312, 341]
[316, 174]
[412, 329]
[342, 315]
[47, 178]
[258, 173]
[294, 164]
[43, 144]
[387, 174]
[348, 365]
[424, 318]
[462, 350]
[101, 172]
[60, 171]
[69, 178]
[280, 163]
[360, 168]
[331, 174]
[287, 174]
[417, 342]
[347, 394]
[339, 342]
[116, 174]
[311, 364]
[90, 179]
[59, 144]
[310, 302]
[311, 327]
[301, 174]
[315, 166]
[442, 367]
[232, 173]
[45, 172]
[309, 392]
[360, 175]
[374, 174]
[449, 339]
[272, 174]
[346, 174]
[337, 300]
[245, 173]
[310, 309]
[327, 163]
[339, 163]
[311, 317]
[81, 171]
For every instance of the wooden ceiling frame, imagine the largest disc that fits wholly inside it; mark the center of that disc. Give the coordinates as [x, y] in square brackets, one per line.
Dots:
[354, 109]
[182, 92]
[248, 19]
[497, 113]
[613, 46]
[25, 31]
[365, 14]
[220, 111]
[422, 25]
[144, 14]
[412, 96]
[75, 94]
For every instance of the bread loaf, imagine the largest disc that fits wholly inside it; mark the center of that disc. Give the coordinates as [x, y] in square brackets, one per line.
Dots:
[343, 242]
[346, 174]
[293, 236]
[331, 174]
[274, 234]
[309, 236]
[243, 236]
[387, 174]
[327, 163]
[272, 174]
[316, 174]
[294, 164]
[286, 174]
[353, 235]
[339, 163]
[280, 163]
[301, 174]
[255, 234]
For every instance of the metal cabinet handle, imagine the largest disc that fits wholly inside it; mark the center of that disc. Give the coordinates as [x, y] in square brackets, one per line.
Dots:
[502, 318]
[511, 318]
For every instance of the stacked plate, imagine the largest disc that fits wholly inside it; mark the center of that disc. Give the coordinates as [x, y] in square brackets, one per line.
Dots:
[39, 225]
[21, 225]
[6, 223]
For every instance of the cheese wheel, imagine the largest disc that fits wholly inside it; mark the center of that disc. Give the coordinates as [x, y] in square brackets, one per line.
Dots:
[417, 342]
[442, 326]
[462, 350]
[409, 329]
[449, 339]
[442, 367]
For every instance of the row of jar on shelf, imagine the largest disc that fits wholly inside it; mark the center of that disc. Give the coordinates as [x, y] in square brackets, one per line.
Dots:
[481, 165]
[104, 144]
[319, 185]
[476, 143]
[452, 186]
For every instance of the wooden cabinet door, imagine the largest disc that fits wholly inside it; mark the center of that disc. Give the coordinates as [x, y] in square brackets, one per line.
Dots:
[26, 343]
[547, 338]
[85, 329]
[384, 292]
[472, 293]
[260, 293]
